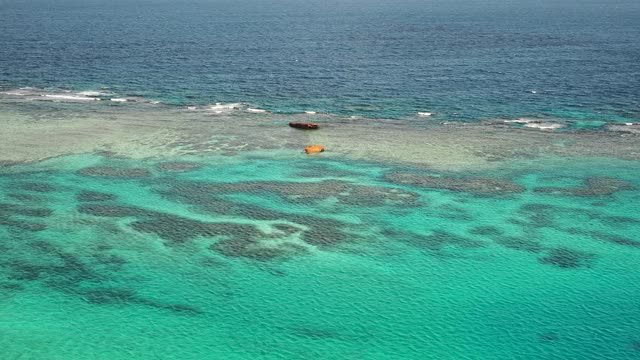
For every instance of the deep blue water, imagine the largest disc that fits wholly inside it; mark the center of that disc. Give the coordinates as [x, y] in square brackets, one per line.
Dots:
[375, 58]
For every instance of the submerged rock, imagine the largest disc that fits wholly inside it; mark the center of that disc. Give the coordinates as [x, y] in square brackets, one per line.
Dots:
[178, 166]
[478, 186]
[38, 187]
[595, 186]
[105, 171]
[568, 258]
[255, 250]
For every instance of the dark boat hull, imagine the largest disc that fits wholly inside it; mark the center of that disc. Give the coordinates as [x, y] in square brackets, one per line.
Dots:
[304, 126]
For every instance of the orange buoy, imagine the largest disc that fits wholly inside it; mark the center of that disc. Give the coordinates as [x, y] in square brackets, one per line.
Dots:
[314, 149]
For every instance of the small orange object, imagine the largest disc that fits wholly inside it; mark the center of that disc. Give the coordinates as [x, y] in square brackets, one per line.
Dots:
[314, 149]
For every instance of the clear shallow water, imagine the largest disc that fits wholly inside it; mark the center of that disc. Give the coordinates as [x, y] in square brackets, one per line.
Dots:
[115, 258]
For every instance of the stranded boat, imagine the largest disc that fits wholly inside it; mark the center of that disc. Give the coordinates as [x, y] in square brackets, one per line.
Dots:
[303, 125]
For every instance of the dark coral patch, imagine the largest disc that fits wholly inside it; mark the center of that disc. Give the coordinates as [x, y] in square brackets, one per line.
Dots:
[486, 231]
[320, 170]
[519, 244]
[478, 186]
[120, 296]
[111, 262]
[33, 212]
[7, 211]
[615, 220]
[112, 172]
[301, 192]
[177, 308]
[26, 272]
[256, 250]
[595, 186]
[370, 196]
[62, 270]
[240, 238]
[94, 196]
[606, 237]
[549, 337]
[438, 240]
[314, 333]
[538, 215]
[37, 187]
[114, 210]
[8, 163]
[24, 197]
[567, 258]
[452, 212]
[321, 231]
[109, 296]
[178, 166]
[11, 286]
[286, 229]
[324, 236]
[247, 249]
[178, 229]
[345, 192]
[5, 220]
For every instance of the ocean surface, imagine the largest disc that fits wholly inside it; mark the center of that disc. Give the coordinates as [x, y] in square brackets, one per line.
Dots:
[478, 199]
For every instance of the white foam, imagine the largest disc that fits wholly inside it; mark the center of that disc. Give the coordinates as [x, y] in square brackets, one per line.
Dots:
[119, 100]
[70, 97]
[535, 123]
[192, 108]
[92, 93]
[424, 114]
[311, 112]
[219, 108]
[516, 121]
[15, 93]
[522, 121]
[544, 126]
[256, 111]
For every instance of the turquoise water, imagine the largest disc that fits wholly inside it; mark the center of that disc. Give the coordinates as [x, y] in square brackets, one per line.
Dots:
[294, 257]
[478, 198]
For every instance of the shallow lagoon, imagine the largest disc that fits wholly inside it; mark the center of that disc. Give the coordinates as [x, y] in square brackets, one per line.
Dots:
[287, 256]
